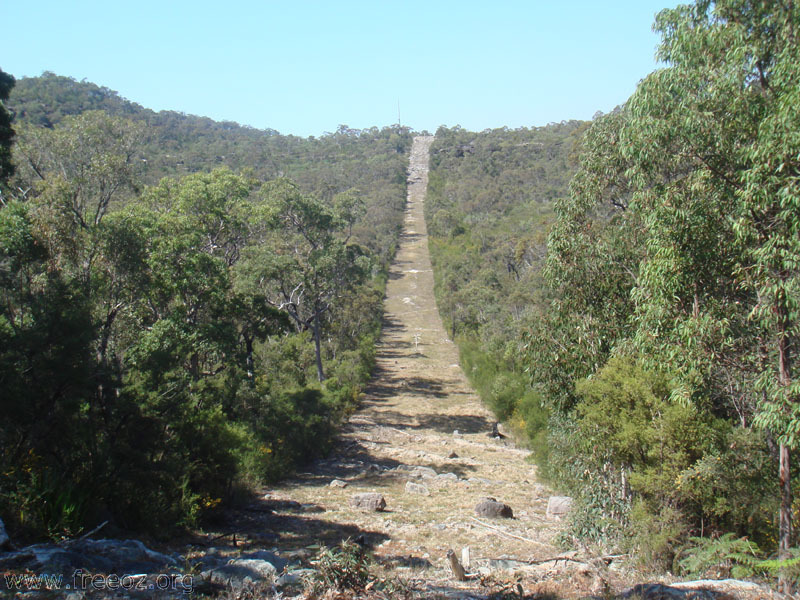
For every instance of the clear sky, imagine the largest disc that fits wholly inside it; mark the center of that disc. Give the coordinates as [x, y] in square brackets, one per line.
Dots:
[304, 67]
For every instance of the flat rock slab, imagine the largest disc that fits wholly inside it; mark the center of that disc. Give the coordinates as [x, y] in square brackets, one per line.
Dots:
[97, 556]
[558, 506]
[489, 507]
[241, 572]
[417, 488]
[423, 472]
[369, 501]
[658, 591]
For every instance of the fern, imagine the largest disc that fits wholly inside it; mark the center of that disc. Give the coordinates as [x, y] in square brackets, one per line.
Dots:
[789, 568]
[727, 553]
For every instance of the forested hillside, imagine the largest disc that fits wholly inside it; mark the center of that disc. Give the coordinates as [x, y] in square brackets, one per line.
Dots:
[489, 209]
[174, 144]
[660, 337]
[188, 308]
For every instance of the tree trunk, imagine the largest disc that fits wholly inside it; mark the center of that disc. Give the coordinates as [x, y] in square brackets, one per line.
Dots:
[785, 528]
[785, 374]
[318, 349]
[249, 364]
[786, 503]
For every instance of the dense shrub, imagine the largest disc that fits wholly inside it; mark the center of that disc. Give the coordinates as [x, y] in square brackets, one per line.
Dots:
[146, 377]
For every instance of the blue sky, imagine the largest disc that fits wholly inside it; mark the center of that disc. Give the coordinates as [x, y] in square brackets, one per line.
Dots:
[305, 67]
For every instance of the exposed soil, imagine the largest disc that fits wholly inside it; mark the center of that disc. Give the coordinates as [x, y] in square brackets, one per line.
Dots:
[418, 411]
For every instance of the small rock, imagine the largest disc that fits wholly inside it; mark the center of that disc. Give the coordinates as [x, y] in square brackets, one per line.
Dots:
[479, 480]
[452, 455]
[369, 501]
[241, 572]
[417, 488]
[294, 578]
[276, 561]
[287, 580]
[489, 507]
[423, 472]
[263, 567]
[456, 432]
[301, 554]
[447, 477]
[558, 506]
[338, 483]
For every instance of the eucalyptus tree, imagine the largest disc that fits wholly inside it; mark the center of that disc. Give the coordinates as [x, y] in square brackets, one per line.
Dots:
[716, 143]
[6, 131]
[768, 224]
[66, 277]
[306, 263]
[699, 251]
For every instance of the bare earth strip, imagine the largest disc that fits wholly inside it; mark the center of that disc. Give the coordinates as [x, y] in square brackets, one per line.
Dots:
[418, 411]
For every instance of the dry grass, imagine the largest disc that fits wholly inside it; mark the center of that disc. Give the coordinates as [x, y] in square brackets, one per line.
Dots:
[417, 400]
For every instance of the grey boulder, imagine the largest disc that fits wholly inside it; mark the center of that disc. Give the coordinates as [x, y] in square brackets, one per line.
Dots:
[489, 507]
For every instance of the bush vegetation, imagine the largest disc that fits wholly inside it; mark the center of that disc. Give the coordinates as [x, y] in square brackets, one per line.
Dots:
[149, 365]
[659, 329]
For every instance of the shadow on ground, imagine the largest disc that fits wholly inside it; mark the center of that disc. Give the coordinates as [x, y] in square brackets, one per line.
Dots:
[289, 524]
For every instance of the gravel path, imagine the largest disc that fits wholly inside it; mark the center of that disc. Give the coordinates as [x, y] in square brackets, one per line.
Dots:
[419, 411]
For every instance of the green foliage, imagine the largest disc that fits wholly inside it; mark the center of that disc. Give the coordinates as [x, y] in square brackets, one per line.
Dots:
[6, 132]
[677, 246]
[46, 502]
[601, 512]
[735, 486]
[531, 417]
[488, 209]
[372, 161]
[789, 568]
[656, 535]
[305, 264]
[346, 567]
[145, 374]
[721, 557]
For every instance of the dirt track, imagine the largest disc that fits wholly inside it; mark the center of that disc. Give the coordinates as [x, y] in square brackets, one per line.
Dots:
[418, 410]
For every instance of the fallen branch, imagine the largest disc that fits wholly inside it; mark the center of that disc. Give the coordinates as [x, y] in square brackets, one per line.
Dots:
[511, 535]
[85, 535]
[207, 543]
[398, 430]
[555, 559]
